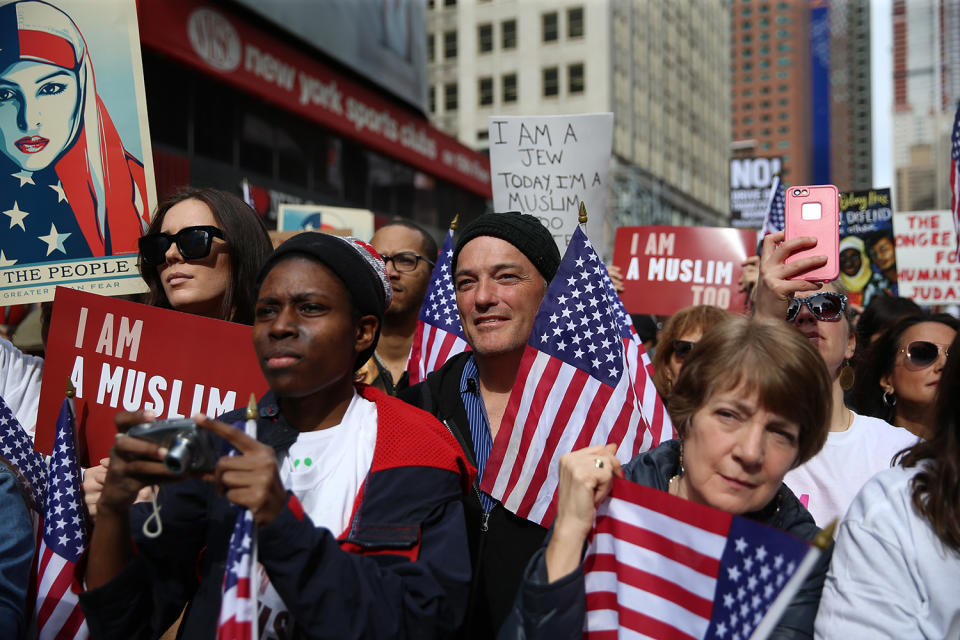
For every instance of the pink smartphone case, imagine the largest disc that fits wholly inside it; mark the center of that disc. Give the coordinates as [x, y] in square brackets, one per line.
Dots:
[826, 230]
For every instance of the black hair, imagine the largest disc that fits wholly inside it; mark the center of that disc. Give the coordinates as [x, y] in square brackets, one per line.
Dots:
[428, 244]
[247, 240]
[878, 361]
[881, 313]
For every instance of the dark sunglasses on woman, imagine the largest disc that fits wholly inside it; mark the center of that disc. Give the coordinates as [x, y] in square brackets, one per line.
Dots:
[827, 306]
[922, 353]
[193, 243]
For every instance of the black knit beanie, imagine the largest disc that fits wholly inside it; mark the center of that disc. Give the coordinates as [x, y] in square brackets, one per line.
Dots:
[354, 261]
[523, 231]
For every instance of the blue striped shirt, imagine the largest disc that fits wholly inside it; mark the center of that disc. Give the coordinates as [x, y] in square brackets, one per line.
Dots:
[479, 424]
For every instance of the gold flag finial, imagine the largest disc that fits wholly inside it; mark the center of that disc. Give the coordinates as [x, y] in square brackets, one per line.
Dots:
[823, 539]
[71, 390]
[252, 408]
[583, 213]
[455, 222]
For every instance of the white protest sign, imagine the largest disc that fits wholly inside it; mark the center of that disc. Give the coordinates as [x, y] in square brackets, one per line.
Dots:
[928, 269]
[547, 165]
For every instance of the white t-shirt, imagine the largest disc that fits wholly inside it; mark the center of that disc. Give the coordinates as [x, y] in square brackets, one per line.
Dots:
[20, 377]
[890, 576]
[827, 483]
[325, 470]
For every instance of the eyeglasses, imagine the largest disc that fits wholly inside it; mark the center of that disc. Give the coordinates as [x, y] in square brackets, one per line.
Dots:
[827, 306]
[405, 261]
[682, 348]
[922, 353]
[192, 242]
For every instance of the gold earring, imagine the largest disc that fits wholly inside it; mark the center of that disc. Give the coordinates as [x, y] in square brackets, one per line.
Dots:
[846, 376]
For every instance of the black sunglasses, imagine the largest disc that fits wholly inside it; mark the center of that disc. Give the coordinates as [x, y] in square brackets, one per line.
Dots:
[405, 261]
[192, 242]
[827, 306]
[922, 353]
[682, 348]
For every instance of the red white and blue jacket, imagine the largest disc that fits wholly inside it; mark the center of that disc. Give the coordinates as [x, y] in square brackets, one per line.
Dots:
[400, 570]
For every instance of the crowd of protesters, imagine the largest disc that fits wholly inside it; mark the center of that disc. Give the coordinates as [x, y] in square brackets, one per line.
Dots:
[792, 413]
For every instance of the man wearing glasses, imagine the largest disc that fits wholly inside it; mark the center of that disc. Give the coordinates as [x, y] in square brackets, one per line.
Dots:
[410, 253]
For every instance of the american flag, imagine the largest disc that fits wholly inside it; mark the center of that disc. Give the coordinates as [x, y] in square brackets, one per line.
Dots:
[438, 335]
[663, 567]
[773, 221]
[955, 175]
[581, 382]
[238, 604]
[63, 541]
[17, 447]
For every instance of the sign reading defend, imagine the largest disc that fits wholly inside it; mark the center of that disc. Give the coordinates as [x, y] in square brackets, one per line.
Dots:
[668, 268]
[124, 356]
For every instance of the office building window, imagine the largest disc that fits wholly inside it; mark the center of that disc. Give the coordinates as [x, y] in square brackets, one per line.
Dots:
[431, 46]
[510, 87]
[575, 22]
[450, 45]
[485, 38]
[551, 82]
[449, 3]
[432, 93]
[483, 135]
[508, 33]
[575, 78]
[485, 91]
[450, 96]
[551, 27]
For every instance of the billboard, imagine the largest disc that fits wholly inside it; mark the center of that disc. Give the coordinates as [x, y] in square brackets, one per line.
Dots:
[751, 180]
[384, 40]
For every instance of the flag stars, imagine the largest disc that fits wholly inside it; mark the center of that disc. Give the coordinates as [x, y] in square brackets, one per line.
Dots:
[733, 573]
[25, 177]
[752, 583]
[54, 240]
[17, 216]
[761, 553]
[728, 600]
[778, 561]
[58, 189]
[741, 545]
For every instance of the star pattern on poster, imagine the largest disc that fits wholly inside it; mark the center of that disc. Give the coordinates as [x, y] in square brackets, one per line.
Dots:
[25, 177]
[17, 216]
[4, 262]
[54, 240]
[58, 189]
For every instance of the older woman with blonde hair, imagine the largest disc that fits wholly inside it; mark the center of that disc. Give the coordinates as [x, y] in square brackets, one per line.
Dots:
[680, 334]
[751, 402]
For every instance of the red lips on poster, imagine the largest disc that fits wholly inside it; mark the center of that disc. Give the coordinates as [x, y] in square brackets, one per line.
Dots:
[124, 356]
[668, 268]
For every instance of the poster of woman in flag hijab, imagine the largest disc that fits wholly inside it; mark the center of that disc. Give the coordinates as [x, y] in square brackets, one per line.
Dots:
[76, 173]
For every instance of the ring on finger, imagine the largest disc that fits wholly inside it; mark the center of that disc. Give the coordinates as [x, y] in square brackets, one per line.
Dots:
[598, 463]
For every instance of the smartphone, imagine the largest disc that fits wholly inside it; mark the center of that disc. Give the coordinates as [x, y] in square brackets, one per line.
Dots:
[815, 211]
[189, 447]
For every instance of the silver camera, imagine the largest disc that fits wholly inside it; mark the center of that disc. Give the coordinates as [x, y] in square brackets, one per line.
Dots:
[189, 448]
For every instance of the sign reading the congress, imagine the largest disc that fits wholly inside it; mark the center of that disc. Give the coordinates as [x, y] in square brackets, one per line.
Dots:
[124, 356]
[547, 165]
[928, 267]
[668, 268]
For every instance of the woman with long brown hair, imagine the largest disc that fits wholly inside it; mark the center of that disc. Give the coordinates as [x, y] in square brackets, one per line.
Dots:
[897, 559]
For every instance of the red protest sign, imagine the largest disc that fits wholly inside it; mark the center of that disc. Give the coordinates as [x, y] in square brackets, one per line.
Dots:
[668, 268]
[124, 356]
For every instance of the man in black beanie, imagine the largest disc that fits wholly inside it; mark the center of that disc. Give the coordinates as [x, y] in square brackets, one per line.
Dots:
[501, 266]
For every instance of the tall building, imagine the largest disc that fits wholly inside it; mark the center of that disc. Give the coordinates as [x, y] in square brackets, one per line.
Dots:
[926, 87]
[660, 67]
[851, 149]
[770, 67]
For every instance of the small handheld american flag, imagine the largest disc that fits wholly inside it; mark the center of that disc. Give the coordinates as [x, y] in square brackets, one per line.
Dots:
[238, 604]
[774, 221]
[663, 567]
[438, 335]
[63, 540]
[583, 380]
[955, 175]
[17, 447]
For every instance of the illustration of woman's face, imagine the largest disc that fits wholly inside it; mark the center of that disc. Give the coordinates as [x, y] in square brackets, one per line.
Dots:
[850, 261]
[38, 106]
[882, 254]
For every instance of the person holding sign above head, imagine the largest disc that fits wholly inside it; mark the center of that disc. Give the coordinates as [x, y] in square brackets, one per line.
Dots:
[70, 187]
[857, 446]
[356, 496]
[200, 255]
[751, 402]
